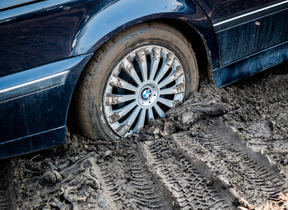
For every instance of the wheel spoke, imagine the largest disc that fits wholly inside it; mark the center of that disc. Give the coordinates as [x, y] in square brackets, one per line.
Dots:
[159, 111]
[118, 114]
[112, 99]
[176, 89]
[156, 56]
[167, 102]
[165, 67]
[128, 67]
[172, 77]
[126, 125]
[150, 114]
[141, 120]
[141, 55]
[118, 82]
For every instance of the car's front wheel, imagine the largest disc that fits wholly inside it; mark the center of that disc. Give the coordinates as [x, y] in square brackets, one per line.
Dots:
[134, 78]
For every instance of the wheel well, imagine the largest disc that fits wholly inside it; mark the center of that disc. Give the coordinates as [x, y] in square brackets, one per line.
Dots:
[198, 45]
[197, 42]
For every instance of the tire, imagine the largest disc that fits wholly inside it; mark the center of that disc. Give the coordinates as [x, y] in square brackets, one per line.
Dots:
[94, 101]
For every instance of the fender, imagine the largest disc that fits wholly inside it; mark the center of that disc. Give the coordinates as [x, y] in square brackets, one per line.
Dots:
[120, 15]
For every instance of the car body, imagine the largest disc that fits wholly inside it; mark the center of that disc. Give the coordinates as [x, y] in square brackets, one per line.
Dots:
[46, 44]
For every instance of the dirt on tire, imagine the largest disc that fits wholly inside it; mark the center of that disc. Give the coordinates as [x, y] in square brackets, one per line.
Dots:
[222, 149]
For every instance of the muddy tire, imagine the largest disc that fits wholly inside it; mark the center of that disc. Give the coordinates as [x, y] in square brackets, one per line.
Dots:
[120, 60]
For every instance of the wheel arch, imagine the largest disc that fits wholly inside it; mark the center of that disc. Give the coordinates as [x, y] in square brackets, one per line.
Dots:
[119, 16]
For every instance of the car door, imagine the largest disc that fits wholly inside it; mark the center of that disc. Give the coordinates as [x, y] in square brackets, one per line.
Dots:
[245, 27]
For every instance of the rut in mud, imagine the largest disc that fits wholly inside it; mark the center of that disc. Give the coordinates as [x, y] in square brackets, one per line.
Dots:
[188, 183]
[227, 156]
[222, 149]
[129, 183]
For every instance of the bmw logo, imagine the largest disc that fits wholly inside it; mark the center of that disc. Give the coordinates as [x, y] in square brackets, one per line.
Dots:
[146, 93]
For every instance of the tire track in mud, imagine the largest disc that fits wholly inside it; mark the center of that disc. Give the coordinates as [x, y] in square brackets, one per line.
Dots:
[189, 182]
[81, 186]
[209, 169]
[7, 197]
[248, 172]
[131, 185]
[121, 182]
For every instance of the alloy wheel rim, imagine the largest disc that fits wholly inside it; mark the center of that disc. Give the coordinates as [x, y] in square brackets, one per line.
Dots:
[142, 86]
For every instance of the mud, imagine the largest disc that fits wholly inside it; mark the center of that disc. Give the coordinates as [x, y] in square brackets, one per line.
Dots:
[222, 149]
[7, 196]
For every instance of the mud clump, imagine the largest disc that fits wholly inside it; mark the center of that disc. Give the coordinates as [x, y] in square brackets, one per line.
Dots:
[222, 148]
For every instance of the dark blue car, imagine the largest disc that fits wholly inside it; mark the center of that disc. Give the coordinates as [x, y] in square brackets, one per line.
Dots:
[110, 66]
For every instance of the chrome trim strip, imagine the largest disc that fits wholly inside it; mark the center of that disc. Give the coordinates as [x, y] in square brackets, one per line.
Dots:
[33, 86]
[6, 5]
[8, 15]
[37, 81]
[250, 13]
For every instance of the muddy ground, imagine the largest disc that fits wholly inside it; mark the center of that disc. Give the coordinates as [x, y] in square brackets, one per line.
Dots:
[222, 149]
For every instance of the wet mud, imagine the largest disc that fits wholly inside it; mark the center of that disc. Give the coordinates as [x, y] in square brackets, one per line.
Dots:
[222, 149]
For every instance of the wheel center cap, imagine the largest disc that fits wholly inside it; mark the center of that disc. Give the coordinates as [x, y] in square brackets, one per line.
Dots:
[146, 93]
